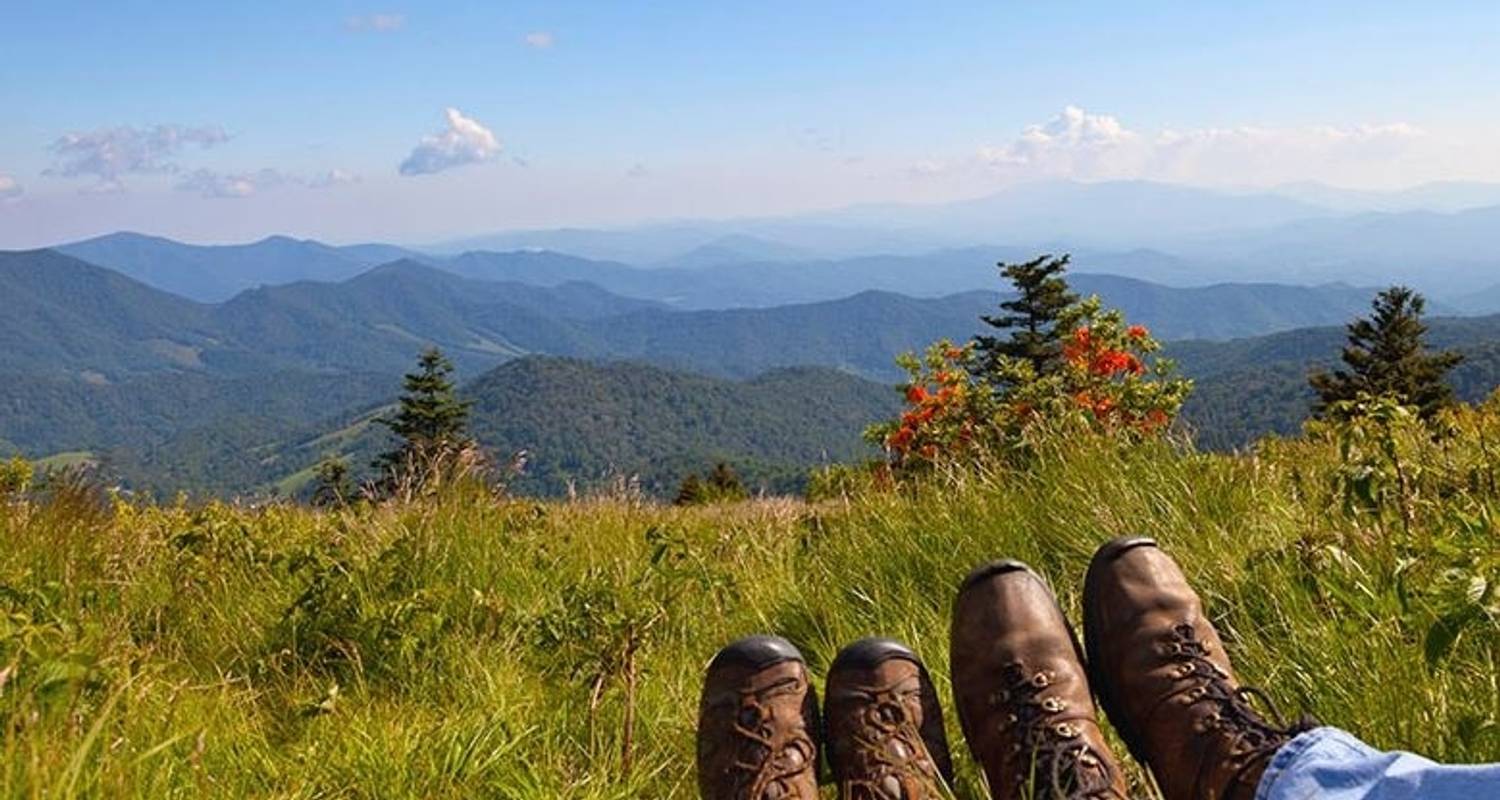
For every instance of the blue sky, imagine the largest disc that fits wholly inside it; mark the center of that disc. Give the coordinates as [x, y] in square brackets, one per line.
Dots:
[230, 121]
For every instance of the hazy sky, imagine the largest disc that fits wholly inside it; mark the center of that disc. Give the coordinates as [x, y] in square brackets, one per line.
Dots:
[412, 122]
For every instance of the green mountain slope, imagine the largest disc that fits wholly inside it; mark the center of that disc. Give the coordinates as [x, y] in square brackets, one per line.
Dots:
[1248, 388]
[63, 316]
[582, 422]
[182, 431]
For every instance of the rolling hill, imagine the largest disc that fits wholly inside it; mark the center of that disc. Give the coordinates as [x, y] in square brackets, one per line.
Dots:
[211, 273]
[581, 424]
[1247, 388]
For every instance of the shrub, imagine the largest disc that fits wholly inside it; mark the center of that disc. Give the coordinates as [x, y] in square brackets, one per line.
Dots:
[1109, 383]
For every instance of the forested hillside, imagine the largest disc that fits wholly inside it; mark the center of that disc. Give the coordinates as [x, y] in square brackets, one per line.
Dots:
[580, 422]
[1248, 388]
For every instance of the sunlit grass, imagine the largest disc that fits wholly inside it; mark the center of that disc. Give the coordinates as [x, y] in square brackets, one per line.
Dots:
[479, 647]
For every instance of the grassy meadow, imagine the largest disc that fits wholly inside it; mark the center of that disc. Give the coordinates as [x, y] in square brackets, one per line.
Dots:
[473, 645]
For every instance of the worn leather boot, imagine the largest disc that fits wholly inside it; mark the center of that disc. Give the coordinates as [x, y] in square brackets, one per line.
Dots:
[756, 724]
[1164, 680]
[1022, 692]
[885, 736]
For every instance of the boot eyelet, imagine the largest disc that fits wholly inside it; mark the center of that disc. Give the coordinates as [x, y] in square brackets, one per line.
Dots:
[1054, 704]
[1066, 730]
[1041, 680]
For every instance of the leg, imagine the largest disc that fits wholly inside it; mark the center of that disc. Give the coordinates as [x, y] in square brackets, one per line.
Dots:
[1329, 764]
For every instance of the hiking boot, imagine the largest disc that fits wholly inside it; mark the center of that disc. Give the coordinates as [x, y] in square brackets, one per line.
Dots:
[756, 723]
[1165, 681]
[885, 735]
[1022, 692]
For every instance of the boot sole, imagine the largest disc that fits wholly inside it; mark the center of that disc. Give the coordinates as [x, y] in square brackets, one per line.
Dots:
[1106, 698]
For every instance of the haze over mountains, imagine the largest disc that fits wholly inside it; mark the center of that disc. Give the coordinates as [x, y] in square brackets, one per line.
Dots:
[232, 368]
[1440, 238]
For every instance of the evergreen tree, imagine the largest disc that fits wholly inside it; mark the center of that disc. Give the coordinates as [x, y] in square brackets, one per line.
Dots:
[432, 419]
[691, 492]
[1387, 355]
[1041, 296]
[332, 483]
[724, 484]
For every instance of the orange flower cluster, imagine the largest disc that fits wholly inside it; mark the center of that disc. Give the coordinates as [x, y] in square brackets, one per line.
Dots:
[930, 405]
[1085, 351]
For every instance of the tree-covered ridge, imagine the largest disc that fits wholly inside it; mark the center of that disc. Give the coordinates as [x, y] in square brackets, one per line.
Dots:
[1248, 388]
[581, 422]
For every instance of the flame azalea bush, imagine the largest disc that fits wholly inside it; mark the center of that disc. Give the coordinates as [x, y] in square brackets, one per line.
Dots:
[1106, 380]
[948, 413]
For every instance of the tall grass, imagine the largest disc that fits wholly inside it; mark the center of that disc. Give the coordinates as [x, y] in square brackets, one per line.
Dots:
[471, 646]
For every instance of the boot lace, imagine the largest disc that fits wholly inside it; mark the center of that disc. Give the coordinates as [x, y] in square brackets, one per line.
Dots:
[896, 764]
[1248, 738]
[769, 759]
[1046, 739]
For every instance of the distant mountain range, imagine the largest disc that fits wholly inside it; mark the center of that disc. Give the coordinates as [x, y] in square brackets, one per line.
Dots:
[210, 273]
[262, 357]
[1443, 239]
[67, 318]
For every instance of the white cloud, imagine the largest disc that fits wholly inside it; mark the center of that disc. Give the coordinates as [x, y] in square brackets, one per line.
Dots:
[232, 185]
[334, 177]
[229, 185]
[9, 188]
[928, 166]
[1070, 143]
[464, 141]
[108, 153]
[1084, 146]
[541, 40]
[382, 23]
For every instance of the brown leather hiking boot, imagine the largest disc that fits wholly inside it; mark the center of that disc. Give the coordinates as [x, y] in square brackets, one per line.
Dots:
[756, 723]
[885, 735]
[1165, 681]
[1022, 692]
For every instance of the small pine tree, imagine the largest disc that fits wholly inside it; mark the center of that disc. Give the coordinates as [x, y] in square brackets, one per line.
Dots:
[691, 491]
[431, 419]
[1042, 296]
[724, 484]
[332, 483]
[1387, 355]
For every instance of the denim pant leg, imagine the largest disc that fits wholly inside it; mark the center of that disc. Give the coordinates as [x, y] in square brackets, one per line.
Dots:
[1330, 764]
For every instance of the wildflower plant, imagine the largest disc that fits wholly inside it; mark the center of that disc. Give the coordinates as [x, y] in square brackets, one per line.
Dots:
[1107, 380]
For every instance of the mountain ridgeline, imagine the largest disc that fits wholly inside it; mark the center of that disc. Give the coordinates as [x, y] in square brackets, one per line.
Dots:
[68, 317]
[596, 370]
